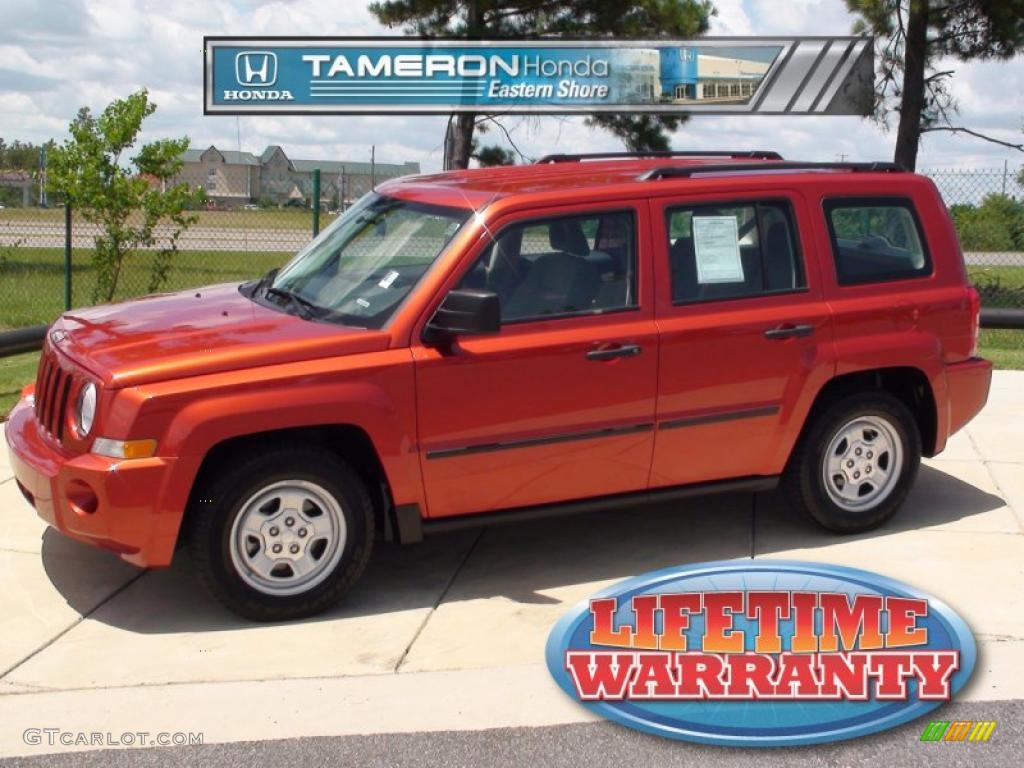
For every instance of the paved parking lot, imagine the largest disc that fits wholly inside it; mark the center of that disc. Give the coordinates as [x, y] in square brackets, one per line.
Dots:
[449, 635]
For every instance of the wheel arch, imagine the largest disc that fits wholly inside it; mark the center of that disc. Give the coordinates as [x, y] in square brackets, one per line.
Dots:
[346, 441]
[907, 383]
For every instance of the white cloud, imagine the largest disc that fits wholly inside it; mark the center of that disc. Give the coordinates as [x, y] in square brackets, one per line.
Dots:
[800, 17]
[60, 54]
[731, 19]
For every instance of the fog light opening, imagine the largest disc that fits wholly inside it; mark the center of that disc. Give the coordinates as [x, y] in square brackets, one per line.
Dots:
[81, 498]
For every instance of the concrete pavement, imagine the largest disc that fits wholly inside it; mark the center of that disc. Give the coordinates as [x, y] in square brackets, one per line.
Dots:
[449, 635]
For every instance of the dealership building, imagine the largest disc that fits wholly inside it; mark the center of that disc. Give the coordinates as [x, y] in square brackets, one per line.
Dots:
[689, 75]
[233, 178]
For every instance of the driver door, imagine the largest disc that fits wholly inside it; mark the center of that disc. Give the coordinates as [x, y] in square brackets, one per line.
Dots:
[559, 404]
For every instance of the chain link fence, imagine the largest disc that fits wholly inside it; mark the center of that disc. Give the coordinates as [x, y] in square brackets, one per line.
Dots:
[222, 246]
[245, 242]
[987, 206]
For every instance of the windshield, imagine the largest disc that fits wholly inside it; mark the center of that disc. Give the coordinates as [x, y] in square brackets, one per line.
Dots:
[362, 266]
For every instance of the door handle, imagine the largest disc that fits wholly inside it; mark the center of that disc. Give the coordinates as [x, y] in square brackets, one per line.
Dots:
[611, 353]
[788, 330]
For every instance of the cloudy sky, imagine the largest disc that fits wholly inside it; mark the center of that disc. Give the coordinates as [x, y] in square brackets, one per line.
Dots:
[57, 55]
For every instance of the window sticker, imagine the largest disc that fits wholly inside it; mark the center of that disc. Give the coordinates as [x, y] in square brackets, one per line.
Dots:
[388, 279]
[716, 243]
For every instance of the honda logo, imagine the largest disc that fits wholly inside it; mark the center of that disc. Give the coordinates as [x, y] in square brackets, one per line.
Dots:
[256, 68]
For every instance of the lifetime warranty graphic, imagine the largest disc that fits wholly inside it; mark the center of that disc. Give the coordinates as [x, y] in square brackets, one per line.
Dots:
[761, 654]
[832, 75]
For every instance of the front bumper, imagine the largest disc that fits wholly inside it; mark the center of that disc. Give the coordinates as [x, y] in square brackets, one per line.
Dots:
[113, 504]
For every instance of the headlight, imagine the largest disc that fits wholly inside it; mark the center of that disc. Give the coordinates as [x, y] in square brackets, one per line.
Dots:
[85, 409]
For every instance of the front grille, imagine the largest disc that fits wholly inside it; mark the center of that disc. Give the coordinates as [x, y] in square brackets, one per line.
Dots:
[53, 388]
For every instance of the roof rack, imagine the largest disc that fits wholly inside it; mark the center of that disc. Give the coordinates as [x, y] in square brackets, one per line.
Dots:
[753, 154]
[667, 172]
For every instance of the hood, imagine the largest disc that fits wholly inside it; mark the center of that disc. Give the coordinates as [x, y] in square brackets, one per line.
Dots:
[205, 330]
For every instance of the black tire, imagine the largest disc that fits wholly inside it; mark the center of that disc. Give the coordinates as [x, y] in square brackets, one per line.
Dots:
[221, 501]
[804, 480]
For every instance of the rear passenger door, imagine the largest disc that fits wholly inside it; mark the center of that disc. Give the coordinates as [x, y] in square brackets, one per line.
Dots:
[745, 335]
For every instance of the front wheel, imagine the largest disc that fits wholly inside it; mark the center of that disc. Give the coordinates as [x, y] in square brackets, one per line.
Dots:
[854, 467]
[282, 534]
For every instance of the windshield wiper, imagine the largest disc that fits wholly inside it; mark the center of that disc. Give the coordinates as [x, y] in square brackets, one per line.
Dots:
[265, 287]
[255, 287]
[266, 279]
[304, 307]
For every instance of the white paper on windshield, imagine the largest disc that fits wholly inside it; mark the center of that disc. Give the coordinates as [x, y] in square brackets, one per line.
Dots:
[388, 279]
[716, 243]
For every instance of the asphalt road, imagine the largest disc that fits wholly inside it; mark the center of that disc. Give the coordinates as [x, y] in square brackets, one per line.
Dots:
[198, 238]
[595, 745]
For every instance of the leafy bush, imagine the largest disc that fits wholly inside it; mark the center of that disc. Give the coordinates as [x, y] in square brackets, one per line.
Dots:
[997, 224]
[128, 200]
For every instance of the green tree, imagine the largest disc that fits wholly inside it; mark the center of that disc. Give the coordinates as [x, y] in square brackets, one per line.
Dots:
[129, 200]
[493, 155]
[474, 19]
[23, 155]
[26, 157]
[997, 224]
[913, 35]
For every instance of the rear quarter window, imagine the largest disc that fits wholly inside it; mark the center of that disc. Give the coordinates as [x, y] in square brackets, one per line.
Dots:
[876, 240]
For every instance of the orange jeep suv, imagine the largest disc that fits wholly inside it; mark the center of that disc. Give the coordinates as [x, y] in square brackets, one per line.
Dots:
[471, 347]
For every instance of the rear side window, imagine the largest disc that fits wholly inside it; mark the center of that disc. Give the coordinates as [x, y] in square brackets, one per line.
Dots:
[874, 240]
[732, 251]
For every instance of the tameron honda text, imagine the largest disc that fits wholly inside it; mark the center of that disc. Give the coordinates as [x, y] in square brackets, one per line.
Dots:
[768, 653]
[326, 75]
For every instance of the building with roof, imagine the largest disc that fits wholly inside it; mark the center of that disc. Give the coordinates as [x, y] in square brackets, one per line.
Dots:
[687, 74]
[18, 179]
[233, 178]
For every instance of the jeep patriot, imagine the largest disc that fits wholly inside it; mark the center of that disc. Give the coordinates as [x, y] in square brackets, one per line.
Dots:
[477, 346]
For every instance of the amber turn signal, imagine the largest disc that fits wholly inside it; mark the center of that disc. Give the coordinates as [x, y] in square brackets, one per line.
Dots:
[124, 449]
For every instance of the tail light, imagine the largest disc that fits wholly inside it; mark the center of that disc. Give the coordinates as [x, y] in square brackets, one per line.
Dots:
[975, 299]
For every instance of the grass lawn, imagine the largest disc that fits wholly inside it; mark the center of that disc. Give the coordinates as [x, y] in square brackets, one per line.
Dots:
[1004, 348]
[32, 279]
[15, 372]
[271, 218]
[999, 286]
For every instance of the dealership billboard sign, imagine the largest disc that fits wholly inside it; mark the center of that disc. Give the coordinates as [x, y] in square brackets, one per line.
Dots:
[821, 75]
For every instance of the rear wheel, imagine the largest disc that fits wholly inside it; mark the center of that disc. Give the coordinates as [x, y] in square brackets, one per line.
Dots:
[283, 534]
[854, 466]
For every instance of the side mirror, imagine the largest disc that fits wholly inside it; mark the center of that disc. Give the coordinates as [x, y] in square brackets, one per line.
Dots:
[464, 313]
